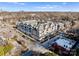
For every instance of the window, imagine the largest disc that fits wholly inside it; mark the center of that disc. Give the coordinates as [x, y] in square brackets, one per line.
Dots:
[66, 46]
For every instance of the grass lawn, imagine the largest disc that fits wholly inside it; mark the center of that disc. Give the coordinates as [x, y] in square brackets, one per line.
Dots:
[1, 51]
[5, 49]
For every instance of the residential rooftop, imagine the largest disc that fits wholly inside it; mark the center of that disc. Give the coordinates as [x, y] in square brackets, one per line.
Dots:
[65, 43]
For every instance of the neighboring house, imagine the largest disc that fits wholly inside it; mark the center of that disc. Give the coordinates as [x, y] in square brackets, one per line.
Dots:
[63, 45]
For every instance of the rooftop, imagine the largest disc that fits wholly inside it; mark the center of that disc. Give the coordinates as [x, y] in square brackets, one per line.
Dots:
[65, 43]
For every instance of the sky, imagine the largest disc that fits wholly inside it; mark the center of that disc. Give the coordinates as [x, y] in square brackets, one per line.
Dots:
[40, 6]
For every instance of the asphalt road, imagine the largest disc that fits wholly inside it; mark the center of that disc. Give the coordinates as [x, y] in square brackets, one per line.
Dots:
[48, 43]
